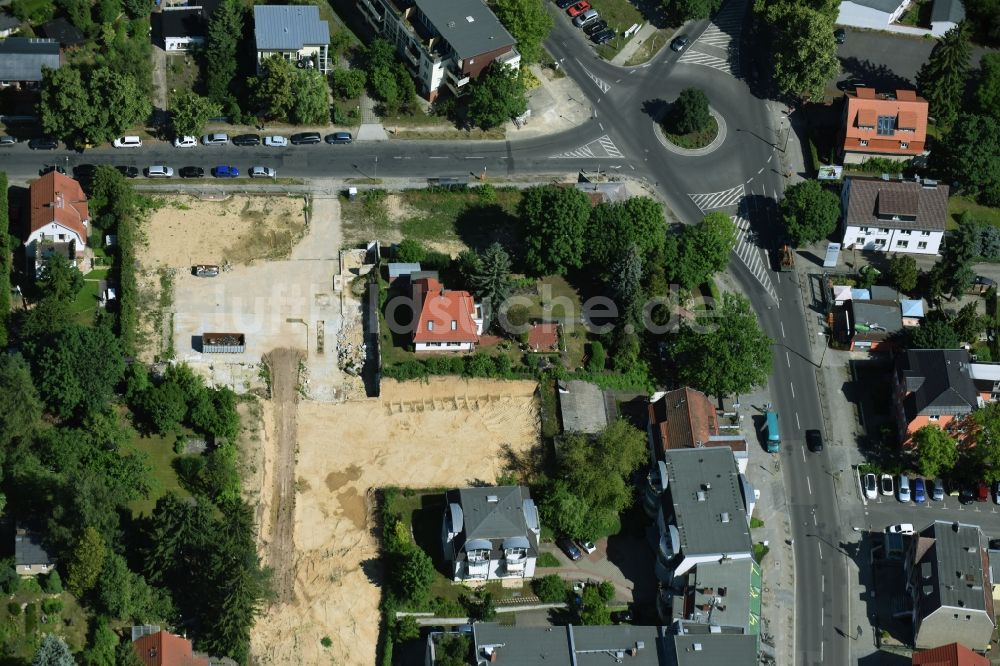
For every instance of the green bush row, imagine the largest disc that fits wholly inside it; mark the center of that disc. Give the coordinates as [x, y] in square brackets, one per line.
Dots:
[5, 250]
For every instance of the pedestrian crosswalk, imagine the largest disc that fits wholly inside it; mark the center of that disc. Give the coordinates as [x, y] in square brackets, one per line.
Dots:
[598, 81]
[698, 58]
[601, 147]
[718, 46]
[729, 197]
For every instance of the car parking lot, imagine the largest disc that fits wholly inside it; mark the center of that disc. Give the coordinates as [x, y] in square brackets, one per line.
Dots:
[886, 510]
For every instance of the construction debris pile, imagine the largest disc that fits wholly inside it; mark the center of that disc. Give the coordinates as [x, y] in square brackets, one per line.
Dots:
[351, 348]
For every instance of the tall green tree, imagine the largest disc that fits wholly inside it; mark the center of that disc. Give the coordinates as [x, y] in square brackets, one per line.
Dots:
[809, 211]
[189, 113]
[555, 224]
[941, 80]
[225, 26]
[626, 286]
[86, 562]
[701, 250]
[53, 651]
[689, 112]
[496, 97]
[593, 610]
[274, 90]
[414, 573]
[970, 156]
[312, 99]
[124, 594]
[804, 55]
[138, 8]
[732, 354]
[65, 103]
[348, 83]
[101, 645]
[20, 408]
[988, 90]
[934, 334]
[60, 278]
[528, 22]
[936, 451]
[615, 227]
[79, 369]
[904, 272]
[491, 280]
[90, 106]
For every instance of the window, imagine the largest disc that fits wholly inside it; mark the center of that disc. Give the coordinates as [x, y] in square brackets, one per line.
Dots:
[925, 233]
[921, 245]
[905, 232]
[880, 241]
[903, 145]
[430, 326]
[933, 417]
[886, 125]
[902, 243]
[863, 230]
[454, 325]
[883, 231]
[862, 142]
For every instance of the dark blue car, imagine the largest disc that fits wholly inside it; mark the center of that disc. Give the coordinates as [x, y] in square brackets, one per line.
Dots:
[225, 171]
[919, 492]
[568, 547]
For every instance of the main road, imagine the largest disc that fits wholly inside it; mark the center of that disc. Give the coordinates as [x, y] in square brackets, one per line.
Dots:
[744, 177]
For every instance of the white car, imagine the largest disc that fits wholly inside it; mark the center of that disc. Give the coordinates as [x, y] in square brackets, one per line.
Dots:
[185, 142]
[127, 142]
[887, 485]
[901, 528]
[275, 141]
[871, 487]
[262, 172]
[588, 547]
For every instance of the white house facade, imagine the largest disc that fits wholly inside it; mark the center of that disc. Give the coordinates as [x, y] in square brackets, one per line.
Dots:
[292, 32]
[893, 215]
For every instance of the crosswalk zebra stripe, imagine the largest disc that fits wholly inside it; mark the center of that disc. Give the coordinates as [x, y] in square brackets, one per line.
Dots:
[721, 199]
[699, 58]
[601, 147]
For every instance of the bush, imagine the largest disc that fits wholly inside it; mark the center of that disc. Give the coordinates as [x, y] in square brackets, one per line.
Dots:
[325, 641]
[52, 606]
[13, 608]
[410, 251]
[598, 358]
[550, 589]
[52, 583]
[30, 619]
[689, 113]
[606, 590]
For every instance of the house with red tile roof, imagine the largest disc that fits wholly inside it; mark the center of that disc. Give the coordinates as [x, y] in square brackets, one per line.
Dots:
[687, 419]
[165, 649]
[59, 214]
[891, 125]
[953, 654]
[446, 320]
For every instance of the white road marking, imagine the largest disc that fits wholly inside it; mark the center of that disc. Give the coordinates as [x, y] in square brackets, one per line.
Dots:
[821, 619]
[599, 82]
[822, 584]
[797, 424]
[792, 386]
[810, 486]
[438, 157]
[788, 360]
[782, 324]
[721, 199]
[821, 644]
[601, 125]
[474, 157]
[760, 170]
[803, 452]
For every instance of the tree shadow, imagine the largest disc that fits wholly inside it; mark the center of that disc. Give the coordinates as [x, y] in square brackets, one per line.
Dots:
[481, 225]
[656, 108]
[873, 75]
[374, 570]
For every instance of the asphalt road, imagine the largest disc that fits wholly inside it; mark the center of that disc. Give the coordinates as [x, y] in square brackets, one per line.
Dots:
[620, 137]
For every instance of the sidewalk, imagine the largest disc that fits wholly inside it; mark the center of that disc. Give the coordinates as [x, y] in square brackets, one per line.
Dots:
[642, 34]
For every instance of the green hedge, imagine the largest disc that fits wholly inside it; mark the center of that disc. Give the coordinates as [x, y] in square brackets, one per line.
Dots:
[128, 312]
[5, 251]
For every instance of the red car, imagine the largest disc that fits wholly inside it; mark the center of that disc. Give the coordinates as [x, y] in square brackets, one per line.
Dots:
[578, 8]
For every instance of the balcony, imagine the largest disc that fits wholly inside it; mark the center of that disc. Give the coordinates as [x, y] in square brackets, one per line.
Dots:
[371, 13]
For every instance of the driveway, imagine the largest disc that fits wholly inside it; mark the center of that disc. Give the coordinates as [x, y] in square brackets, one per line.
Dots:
[887, 61]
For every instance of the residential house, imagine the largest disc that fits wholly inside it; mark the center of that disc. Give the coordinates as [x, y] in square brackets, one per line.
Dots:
[870, 325]
[490, 533]
[890, 125]
[543, 337]
[63, 32]
[933, 386]
[953, 654]
[292, 32]
[876, 14]
[30, 556]
[446, 320]
[582, 408]
[945, 15]
[59, 218]
[165, 649]
[181, 28]
[705, 510]
[444, 43]
[894, 215]
[687, 419]
[948, 579]
[22, 60]
[9, 24]
[724, 593]
[701, 644]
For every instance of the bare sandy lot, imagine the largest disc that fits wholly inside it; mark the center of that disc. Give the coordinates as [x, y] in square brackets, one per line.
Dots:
[447, 432]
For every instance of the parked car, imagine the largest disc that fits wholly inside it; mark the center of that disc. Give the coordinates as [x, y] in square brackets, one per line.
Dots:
[901, 528]
[192, 172]
[903, 488]
[594, 28]
[82, 171]
[275, 141]
[7, 140]
[159, 171]
[840, 35]
[982, 492]
[568, 547]
[43, 143]
[680, 43]
[587, 17]
[967, 494]
[128, 171]
[127, 142]
[306, 138]
[262, 172]
[246, 140]
[814, 440]
[996, 493]
[621, 617]
[563, 4]
[886, 485]
[225, 171]
[588, 546]
[50, 168]
[339, 137]
[578, 8]
[218, 139]
[186, 142]
[919, 494]
[603, 37]
[871, 488]
[937, 490]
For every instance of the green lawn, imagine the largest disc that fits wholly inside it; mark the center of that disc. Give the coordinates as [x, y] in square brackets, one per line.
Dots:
[160, 456]
[958, 205]
[21, 634]
[183, 73]
[462, 215]
[547, 560]
[620, 15]
[650, 47]
[85, 305]
[554, 292]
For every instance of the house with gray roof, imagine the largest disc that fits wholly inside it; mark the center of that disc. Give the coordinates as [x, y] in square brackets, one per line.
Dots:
[891, 215]
[933, 386]
[950, 587]
[292, 32]
[22, 60]
[30, 556]
[705, 510]
[726, 593]
[696, 644]
[444, 43]
[875, 14]
[945, 15]
[9, 24]
[490, 533]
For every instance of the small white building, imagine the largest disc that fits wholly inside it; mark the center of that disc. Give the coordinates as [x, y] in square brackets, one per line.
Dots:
[490, 534]
[894, 215]
[874, 14]
[30, 556]
[293, 32]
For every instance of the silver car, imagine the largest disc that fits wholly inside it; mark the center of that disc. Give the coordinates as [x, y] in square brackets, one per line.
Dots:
[215, 139]
[262, 172]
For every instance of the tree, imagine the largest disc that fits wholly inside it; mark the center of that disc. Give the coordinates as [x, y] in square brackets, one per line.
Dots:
[689, 113]
[598, 358]
[805, 57]
[413, 573]
[988, 90]
[312, 101]
[53, 652]
[20, 408]
[138, 8]
[691, 10]
[496, 97]
[101, 646]
[52, 583]
[78, 12]
[406, 90]
[702, 250]
[593, 610]
[564, 510]
[970, 156]
[383, 84]
[528, 23]
[626, 286]
[125, 594]
[555, 224]
[491, 280]
[274, 90]
[225, 26]
[189, 113]
[809, 211]
[91, 108]
[64, 104]
[108, 11]
[5, 262]
[904, 272]
[731, 357]
[410, 251]
[549, 589]
[941, 80]
[60, 278]
[453, 650]
[348, 83]
[86, 562]
[934, 334]
[80, 369]
[614, 227]
[936, 451]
